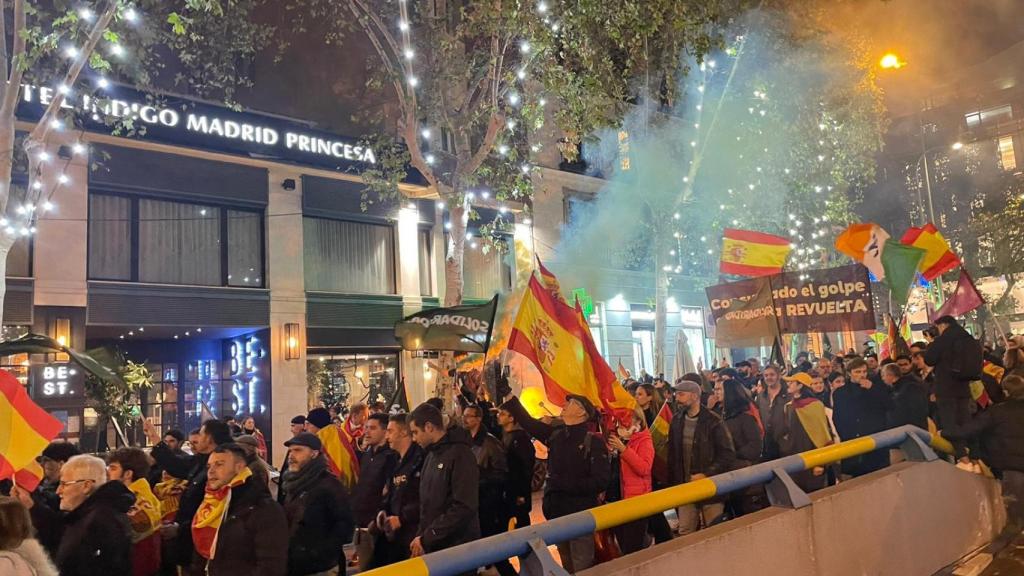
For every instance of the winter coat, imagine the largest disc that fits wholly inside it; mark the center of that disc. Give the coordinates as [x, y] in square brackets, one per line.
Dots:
[375, 466]
[97, 538]
[28, 559]
[490, 459]
[713, 451]
[578, 465]
[947, 355]
[909, 404]
[1001, 430]
[449, 495]
[521, 459]
[773, 416]
[251, 539]
[403, 500]
[636, 463]
[858, 412]
[319, 524]
[747, 439]
[193, 469]
[795, 440]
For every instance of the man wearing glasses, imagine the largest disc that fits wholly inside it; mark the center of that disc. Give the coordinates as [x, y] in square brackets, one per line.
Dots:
[94, 532]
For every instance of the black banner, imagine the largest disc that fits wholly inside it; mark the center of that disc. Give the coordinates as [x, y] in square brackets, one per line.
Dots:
[461, 329]
[830, 300]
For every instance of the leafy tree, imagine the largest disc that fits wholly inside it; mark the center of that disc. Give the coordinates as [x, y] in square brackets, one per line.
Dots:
[75, 48]
[117, 401]
[1000, 236]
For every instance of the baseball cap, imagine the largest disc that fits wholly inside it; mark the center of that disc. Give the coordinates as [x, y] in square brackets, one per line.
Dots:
[801, 377]
[300, 419]
[730, 372]
[585, 402]
[305, 439]
[682, 385]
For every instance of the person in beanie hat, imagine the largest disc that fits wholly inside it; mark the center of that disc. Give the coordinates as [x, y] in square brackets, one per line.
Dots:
[317, 420]
[699, 445]
[317, 508]
[579, 468]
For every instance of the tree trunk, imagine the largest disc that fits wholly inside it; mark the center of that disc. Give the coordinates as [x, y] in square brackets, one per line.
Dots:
[6, 165]
[453, 279]
[660, 304]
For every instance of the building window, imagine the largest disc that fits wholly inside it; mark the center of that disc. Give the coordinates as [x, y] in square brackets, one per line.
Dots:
[426, 242]
[349, 257]
[351, 377]
[1007, 157]
[989, 116]
[485, 273]
[161, 401]
[162, 242]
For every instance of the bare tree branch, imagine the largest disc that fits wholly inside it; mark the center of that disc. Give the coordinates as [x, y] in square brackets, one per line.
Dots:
[14, 81]
[497, 121]
[3, 49]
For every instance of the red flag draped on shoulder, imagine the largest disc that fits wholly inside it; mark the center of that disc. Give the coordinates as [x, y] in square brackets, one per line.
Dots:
[557, 339]
[340, 449]
[25, 430]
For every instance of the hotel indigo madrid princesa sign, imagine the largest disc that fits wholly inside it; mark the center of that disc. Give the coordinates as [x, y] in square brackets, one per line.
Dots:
[179, 121]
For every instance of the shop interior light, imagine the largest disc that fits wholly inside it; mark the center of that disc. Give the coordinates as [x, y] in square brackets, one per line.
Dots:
[62, 334]
[291, 341]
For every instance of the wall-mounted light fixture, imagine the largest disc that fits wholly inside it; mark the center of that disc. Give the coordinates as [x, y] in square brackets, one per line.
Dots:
[292, 341]
[62, 334]
[288, 184]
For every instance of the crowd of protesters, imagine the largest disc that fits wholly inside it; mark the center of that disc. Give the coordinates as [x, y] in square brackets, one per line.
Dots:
[441, 475]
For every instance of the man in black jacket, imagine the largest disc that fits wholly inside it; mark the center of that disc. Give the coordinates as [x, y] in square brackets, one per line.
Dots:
[317, 508]
[375, 466]
[490, 459]
[858, 409]
[249, 539]
[298, 426]
[212, 434]
[578, 468]
[448, 485]
[1000, 429]
[771, 404]
[521, 459]
[956, 357]
[699, 445]
[909, 404]
[401, 514]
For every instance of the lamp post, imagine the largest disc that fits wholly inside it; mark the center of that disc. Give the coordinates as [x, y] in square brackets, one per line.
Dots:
[927, 173]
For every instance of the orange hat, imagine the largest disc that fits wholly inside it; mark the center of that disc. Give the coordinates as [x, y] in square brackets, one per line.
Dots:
[801, 377]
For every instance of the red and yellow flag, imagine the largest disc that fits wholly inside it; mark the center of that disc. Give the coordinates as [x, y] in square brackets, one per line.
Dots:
[939, 258]
[30, 476]
[623, 372]
[145, 515]
[659, 435]
[555, 337]
[342, 457]
[25, 430]
[206, 523]
[748, 253]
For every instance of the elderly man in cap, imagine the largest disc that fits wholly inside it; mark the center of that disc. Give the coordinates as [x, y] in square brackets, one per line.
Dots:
[578, 467]
[317, 507]
[699, 445]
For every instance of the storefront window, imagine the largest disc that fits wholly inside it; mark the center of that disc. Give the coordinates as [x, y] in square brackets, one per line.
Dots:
[17, 364]
[485, 273]
[161, 401]
[351, 378]
[137, 239]
[349, 257]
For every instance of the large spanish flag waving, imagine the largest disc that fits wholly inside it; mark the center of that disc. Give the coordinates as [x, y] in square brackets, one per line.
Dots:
[25, 430]
[339, 446]
[939, 258]
[555, 337]
[748, 253]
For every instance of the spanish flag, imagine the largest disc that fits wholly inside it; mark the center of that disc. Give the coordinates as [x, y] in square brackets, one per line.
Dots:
[747, 253]
[659, 435]
[25, 430]
[339, 446]
[555, 337]
[210, 515]
[939, 258]
[30, 476]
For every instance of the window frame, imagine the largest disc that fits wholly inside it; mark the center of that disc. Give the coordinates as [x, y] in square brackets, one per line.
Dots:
[223, 208]
[390, 225]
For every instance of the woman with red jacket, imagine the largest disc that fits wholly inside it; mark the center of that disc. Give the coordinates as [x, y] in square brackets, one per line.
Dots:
[636, 458]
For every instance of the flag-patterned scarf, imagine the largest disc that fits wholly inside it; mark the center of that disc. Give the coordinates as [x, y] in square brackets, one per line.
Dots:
[169, 493]
[144, 516]
[811, 413]
[211, 513]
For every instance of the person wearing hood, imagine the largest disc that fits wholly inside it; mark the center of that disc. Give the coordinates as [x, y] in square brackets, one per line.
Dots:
[130, 466]
[317, 508]
[636, 460]
[448, 485]
[192, 468]
[95, 534]
[237, 528]
[957, 359]
[20, 553]
[578, 467]
[743, 420]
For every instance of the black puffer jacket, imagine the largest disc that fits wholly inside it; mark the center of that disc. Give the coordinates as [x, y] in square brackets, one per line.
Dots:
[320, 523]
[375, 466]
[747, 439]
[909, 404]
[1001, 430]
[713, 451]
[97, 538]
[193, 469]
[948, 355]
[448, 495]
[579, 468]
[251, 538]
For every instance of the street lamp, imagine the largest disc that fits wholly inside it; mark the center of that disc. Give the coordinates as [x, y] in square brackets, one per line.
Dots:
[927, 175]
[891, 61]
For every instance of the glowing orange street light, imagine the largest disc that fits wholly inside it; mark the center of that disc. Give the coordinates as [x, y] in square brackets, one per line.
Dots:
[891, 62]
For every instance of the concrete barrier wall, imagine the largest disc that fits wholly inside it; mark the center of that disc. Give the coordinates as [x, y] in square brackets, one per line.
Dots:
[908, 520]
